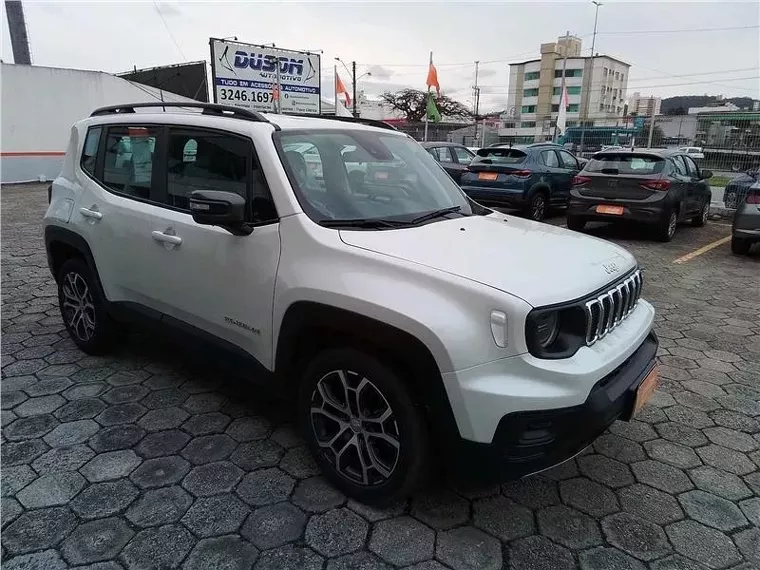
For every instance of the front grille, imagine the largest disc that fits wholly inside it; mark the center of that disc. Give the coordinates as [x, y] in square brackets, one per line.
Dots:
[610, 308]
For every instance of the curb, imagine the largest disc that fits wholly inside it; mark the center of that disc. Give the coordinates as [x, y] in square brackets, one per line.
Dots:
[720, 212]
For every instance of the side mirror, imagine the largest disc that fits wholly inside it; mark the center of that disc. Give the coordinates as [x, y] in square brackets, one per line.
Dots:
[705, 174]
[223, 209]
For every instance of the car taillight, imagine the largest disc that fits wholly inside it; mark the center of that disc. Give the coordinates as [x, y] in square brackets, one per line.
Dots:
[581, 180]
[521, 173]
[659, 185]
[753, 199]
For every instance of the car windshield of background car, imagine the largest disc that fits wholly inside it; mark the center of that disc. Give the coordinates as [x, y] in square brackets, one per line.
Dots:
[351, 174]
[499, 156]
[626, 163]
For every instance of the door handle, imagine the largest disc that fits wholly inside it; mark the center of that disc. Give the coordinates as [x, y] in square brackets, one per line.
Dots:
[166, 238]
[94, 214]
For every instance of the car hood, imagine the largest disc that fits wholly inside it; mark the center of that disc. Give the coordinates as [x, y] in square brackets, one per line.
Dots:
[745, 179]
[540, 263]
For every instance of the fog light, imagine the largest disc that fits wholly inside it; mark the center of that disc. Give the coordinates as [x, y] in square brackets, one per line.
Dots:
[499, 328]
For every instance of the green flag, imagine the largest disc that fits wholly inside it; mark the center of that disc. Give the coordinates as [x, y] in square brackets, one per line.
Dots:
[432, 110]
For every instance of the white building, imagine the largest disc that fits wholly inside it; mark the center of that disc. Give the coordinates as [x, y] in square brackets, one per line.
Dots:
[727, 108]
[644, 106]
[39, 106]
[596, 89]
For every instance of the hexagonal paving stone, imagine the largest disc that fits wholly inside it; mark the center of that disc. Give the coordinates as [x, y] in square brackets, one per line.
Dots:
[257, 454]
[209, 448]
[650, 504]
[265, 487]
[202, 403]
[568, 527]
[634, 430]
[212, 478]
[696, 401]
[678, 562]
[712, 511]
[533, 492]
[84, 391]
[71, 433]
[249, 429]
[160, 472]
[164, 399]
[672, 453]
[317, 495]
[118, 414]
[124, 378]
[10, 509]
[13, 399]
[662, 476]
[116, 437]
[336, 532]
[39, 405]
[736, 421]
[441, 509]
[468, 548]
[162, 547]
[726, 459]
[111, 465]
[51, 490]
[46, 560]
[605, 470]
[748, 542]
[81, 409]
[402, 541]
[539, 553]
[299, 462]
[206, 424]
[163, 419]
[731, 439]
[38, 530]
[125, 394]
[696, 419]
[608, 559]
[63, 459]
[703, 544]
[96, 541]
[223, 553]
[30, 427]
[375, 513]
[15, 478]
[639, 538]
[588, 496]
[502, 518]
[274, 525]
[362, 560]
[681, 434]
[162, 443]
[717, 482]
[751, 509]
[215, 516]
[104, 499]
[289, 556]
[159, 506]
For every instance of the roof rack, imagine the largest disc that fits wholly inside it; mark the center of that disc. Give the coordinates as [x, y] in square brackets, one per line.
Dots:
[208, 109]
[369, 122]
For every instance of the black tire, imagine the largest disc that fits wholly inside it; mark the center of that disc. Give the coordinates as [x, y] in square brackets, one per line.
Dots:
[405, 425]
[537, 205]
[88, 323]
[740, 246]
[701, 219]
[667, 227]
[575, 224]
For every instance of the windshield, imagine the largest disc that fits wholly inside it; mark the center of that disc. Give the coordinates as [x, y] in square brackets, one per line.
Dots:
[499, 156]
[367, 175]
[626, 163]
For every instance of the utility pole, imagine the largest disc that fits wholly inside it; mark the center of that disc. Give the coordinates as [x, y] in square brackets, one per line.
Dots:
[17, 32]
[596, 3]
[353, 82]
[562, 86]
[651, 128]
[476, 93]
[425, 136]
[587, 92]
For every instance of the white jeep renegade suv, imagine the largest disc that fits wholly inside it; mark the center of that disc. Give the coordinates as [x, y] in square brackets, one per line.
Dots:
[407, 321]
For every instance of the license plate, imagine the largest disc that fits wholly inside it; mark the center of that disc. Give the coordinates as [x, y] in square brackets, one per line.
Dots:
[646, 389]
[614, 210]
[488, 176]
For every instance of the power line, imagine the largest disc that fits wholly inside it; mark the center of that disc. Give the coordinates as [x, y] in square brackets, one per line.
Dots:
[679, 31]
[166, 26]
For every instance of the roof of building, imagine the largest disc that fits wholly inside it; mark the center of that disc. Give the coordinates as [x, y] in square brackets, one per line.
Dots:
[575, 57]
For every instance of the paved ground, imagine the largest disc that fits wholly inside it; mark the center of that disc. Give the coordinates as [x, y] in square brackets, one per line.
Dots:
[144, 460]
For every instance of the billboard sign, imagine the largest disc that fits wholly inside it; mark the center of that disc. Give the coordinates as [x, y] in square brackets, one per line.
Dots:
[247, 75]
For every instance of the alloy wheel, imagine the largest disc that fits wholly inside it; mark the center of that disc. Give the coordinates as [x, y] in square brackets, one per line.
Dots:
[355, 427]
[705, 211]
[538, 207]
[672, 222]
[77, 307]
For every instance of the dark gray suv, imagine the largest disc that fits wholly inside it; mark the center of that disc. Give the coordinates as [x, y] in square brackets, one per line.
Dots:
[745, 229]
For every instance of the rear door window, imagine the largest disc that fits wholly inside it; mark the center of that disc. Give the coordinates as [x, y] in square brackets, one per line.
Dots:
[549, 158]
[678, 162]
[691, 166]
[90, 150]
[463, 155]
[634, 164]
[499, 156]
[568, 160]
[442, 154]
[130, 161]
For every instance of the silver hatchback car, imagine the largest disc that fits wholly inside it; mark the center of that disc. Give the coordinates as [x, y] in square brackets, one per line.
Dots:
[745, 229]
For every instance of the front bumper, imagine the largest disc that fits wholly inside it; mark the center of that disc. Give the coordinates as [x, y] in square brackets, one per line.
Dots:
[531, 441]
[510, 197]
[649, 211]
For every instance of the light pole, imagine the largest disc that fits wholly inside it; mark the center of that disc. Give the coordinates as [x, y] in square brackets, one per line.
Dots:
[596, 3]
[476, 92]
[587, 91]
[354, 79]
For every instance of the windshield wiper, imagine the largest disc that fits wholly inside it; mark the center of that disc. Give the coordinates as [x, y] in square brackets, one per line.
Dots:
[368, 223]
[435, 214]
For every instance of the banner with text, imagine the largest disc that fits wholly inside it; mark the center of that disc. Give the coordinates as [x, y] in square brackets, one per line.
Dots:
[246, 76]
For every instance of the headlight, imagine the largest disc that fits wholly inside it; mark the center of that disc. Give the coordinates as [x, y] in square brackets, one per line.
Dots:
[555, 333]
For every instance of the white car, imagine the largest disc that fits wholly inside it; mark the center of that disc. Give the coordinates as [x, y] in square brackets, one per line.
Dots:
[694, 152]
[410, 324]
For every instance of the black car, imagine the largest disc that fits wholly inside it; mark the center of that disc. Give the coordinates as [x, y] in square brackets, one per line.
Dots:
[529, 177]
[455, 158]
[658, 188]
[738, 187]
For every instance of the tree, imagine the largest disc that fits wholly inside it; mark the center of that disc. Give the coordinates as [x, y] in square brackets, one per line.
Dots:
[412, 103]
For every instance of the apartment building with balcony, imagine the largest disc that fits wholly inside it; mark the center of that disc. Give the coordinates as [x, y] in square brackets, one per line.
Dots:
[596, 88]
[644, 106]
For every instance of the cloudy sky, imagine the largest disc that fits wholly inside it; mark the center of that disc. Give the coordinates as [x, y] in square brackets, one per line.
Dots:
[675, 48]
